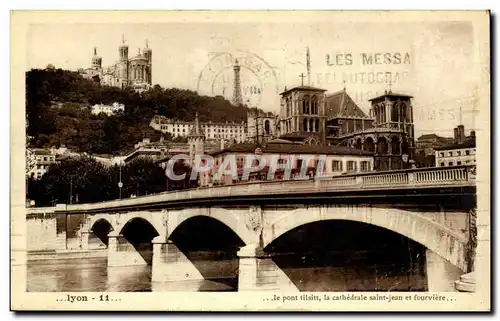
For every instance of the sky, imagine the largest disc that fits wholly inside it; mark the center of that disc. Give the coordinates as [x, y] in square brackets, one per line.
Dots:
[436, 60]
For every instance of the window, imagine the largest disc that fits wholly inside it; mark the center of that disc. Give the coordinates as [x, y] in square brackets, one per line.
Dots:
[442, 164]
[442, 154]
[336, 166]
[459, 163]
[467, 162]
[281, 161]
[365, 166]
[450, 163]
[467, 152]
[351, 166]
[450, 154]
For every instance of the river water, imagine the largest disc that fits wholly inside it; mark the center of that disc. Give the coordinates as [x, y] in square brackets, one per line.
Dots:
[311, 273]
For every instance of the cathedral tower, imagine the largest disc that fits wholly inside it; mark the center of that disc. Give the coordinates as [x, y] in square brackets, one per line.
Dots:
[394, 142]
[148, 54]
[96, 60]
[196, 140]
[237, 98]
[123, 63]
[123, 49]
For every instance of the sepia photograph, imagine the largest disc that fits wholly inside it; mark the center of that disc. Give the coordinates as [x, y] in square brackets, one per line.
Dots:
[307, 159]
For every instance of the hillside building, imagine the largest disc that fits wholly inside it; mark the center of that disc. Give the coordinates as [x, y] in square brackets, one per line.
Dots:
[134, 72]
[229, 131]
[461, 152]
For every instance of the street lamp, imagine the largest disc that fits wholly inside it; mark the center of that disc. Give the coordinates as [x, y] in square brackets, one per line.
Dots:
[167, 173]
[71, 190]
[120, 183]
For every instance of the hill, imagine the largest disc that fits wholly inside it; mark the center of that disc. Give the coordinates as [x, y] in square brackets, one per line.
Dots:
[58, 111]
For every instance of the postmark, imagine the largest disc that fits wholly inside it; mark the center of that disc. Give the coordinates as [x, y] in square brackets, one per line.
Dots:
[258, 79]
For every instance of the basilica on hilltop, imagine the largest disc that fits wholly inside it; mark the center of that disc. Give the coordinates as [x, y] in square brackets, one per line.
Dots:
[134, 72]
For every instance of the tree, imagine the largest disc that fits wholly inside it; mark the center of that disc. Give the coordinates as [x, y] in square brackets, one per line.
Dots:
[81, 178]
[140, 177]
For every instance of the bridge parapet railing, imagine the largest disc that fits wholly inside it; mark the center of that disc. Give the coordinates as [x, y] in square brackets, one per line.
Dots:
[412, 177]
[385, 179]
[442, 176]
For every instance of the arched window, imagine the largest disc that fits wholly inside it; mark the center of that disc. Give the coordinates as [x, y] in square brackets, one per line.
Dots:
[305, 105]
[288, 107]
[405, 114]
[317, 125]
[267, 127]
[304, 125]
[314, 105]
[395, 146]
[395, 112]
[382, 146]
[358, 144]
[311, 125]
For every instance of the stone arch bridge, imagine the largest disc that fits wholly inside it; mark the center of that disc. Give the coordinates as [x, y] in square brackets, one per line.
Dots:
[428, 206]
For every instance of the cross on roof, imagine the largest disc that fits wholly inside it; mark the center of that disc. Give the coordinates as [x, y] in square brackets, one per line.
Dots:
[302, 76]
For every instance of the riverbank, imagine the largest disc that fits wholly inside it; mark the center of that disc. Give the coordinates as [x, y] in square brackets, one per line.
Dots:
[65, 255]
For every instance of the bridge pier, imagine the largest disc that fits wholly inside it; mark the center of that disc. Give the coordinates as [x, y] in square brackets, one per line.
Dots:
[441, 275]
[258, 272]
[170, 264]
[122, 253]
[84, 242]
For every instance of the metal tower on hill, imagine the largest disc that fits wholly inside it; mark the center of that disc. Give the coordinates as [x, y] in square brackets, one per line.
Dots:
[237, 98]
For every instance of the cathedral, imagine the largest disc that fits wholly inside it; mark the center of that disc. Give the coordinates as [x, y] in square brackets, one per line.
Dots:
[311, 116]
[134, 72]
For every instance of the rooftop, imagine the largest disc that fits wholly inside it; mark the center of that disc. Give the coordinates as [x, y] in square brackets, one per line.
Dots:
[41, 151]
[427, 136]
[391, 95]
[470, 143]
[292, 148]
[309, 88]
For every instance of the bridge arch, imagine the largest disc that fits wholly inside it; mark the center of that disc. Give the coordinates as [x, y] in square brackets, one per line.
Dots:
[98, 233]
[232, 220]
[95, 219]
[445, 242]
[119, 220]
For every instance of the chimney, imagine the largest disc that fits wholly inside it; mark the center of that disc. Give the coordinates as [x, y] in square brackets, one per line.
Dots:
[455, 135]
[473, 134]
[461, 134]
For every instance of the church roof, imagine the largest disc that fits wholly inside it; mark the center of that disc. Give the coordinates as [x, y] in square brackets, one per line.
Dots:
[309, 88]
[341, 104]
